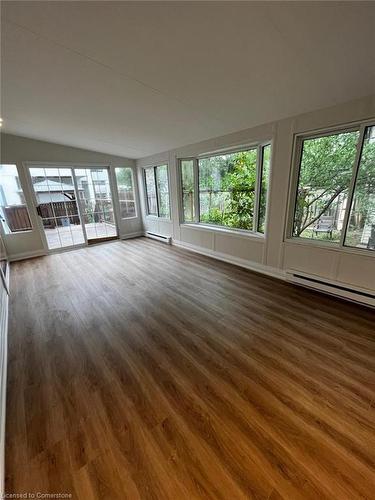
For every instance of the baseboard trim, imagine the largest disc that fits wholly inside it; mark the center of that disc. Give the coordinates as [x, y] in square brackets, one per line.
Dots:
[27, 255]
[132, 235]
[237, 261]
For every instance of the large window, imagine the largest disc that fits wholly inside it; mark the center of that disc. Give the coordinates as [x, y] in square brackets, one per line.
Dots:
[232, 189]
[157, 191]
[125, 189]
[162, 189]
[335, 199]
[13, 210]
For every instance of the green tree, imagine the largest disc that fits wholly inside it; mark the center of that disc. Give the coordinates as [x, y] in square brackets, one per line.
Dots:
[124, 178]
[325, 173]
[227, 189]
[240, 181]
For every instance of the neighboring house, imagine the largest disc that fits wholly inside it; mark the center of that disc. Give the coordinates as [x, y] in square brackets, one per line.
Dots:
[54, 191]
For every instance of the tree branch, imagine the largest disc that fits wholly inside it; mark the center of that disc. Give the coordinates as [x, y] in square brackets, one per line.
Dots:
[317, 217]
[317, 198]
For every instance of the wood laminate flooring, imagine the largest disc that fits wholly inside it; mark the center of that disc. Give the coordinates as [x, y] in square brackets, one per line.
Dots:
[143, 371]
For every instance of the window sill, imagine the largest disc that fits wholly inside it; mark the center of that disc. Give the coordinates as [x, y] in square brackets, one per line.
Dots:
[129, 218]
[155, 217]
[332, 247]
[259, 237]
[14, 233]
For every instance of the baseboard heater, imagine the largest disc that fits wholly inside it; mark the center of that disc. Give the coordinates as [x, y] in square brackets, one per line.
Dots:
[159, 237]
[353, 294]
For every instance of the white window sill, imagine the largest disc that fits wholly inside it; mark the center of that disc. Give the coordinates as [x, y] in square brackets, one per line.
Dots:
[155, 217]
[259, 237]
[333, 247]
[15, 233]
[130, 218]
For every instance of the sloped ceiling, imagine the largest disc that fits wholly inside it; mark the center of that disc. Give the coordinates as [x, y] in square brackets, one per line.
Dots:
[137, 78]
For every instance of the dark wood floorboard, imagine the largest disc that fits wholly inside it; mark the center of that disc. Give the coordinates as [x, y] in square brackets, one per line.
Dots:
[139, 370]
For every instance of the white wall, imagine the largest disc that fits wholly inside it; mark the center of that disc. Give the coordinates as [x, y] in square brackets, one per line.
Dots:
[4, 305]
[18, 150]
[273, 253]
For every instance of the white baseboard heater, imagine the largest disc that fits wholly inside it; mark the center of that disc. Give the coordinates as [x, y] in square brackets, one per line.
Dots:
[159, 237]
[347, 292]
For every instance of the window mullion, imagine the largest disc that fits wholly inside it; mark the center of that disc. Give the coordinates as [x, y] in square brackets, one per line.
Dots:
[156, 192]
[352, 184]
[146, 191]
[196, 190]
[180, 190]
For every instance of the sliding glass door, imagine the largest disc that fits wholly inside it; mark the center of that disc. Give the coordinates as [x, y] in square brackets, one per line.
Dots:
[57, 206]
[96, 201]
[74, 204]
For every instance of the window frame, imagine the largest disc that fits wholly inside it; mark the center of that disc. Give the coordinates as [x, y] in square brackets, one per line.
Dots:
[26, 204]
[154, 168]
[298, 139]
[258, 146]
[134, 193]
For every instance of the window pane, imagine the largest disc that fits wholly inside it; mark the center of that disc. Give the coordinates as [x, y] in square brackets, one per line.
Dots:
[187, 179]
[227, 185]
[324, 178]
[13, 209]
[361, 229]
[163, 190]
[266, 160]
[152, 207]
[125, 187]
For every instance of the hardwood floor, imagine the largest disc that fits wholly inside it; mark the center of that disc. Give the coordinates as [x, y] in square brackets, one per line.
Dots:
[139, 370]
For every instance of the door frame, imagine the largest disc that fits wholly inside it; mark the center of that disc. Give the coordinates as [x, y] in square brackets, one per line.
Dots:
[113, 189]
[71, 166]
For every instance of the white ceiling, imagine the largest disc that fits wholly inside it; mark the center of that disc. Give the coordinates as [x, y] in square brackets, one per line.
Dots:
[142, 77]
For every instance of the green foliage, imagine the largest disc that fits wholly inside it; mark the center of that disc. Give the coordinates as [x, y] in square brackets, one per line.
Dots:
[227, 189]
[362, 217]
[163, 190]
[324, 179]
[264, 187]
[124, 178]
[325, 173]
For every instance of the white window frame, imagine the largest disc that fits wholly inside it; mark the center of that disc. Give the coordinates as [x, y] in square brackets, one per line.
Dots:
[134, 193]
[2, 223]
[298, 140]
[154, 168]
[247, 147]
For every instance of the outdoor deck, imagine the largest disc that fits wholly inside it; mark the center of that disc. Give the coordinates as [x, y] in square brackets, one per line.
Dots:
[65, 236]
